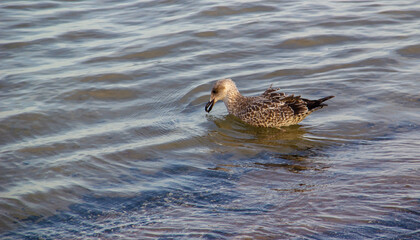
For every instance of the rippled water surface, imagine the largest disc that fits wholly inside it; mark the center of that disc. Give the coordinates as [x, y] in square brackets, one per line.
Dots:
[103, 132]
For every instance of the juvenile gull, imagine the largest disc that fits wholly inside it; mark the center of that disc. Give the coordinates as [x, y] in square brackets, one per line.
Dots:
[271, 109]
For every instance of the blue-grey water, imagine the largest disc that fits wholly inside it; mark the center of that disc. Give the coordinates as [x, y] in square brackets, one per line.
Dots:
[103, 133]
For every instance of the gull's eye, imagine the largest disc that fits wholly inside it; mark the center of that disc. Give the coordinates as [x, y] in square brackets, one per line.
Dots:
[214, 91]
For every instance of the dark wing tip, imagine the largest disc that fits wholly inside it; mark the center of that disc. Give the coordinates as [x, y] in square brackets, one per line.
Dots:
[312, 104]
[325, 98]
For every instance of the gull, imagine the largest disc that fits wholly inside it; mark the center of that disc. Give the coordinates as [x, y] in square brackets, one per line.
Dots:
[270, 109]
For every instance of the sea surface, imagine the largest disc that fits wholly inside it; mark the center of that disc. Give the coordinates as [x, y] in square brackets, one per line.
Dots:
[103, 133]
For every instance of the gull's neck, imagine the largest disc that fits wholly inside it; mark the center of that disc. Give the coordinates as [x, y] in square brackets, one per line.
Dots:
[232, 100]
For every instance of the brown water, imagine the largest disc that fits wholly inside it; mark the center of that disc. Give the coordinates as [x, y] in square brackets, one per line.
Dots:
[103, 132]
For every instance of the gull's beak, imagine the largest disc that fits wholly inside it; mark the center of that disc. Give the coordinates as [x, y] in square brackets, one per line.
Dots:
[209, 106]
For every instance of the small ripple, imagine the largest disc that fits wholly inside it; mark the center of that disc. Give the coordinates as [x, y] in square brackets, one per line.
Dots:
[100, 95]
[372, 64]
[66, 15]
[315, 41]
[86, 34]
[146, 54]
[19, 44]
[402, 14]
[191, 95]
[412, 51]
[352, 23]
[17, 127]
[227, 11]
[32, 6]
[55, 149]
[225, 55]
[206, 34]
[106, 77]
[73, 36]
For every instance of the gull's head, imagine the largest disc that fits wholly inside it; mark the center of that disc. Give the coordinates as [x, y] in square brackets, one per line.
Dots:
[220, 91]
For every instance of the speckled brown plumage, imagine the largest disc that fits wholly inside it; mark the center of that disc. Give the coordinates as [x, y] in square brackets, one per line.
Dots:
[270, 109]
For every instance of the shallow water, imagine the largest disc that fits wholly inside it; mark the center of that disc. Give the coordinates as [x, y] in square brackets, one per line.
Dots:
[103, 132]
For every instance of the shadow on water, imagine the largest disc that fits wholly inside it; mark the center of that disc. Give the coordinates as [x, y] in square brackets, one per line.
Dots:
[237, 133]
[286, 148]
